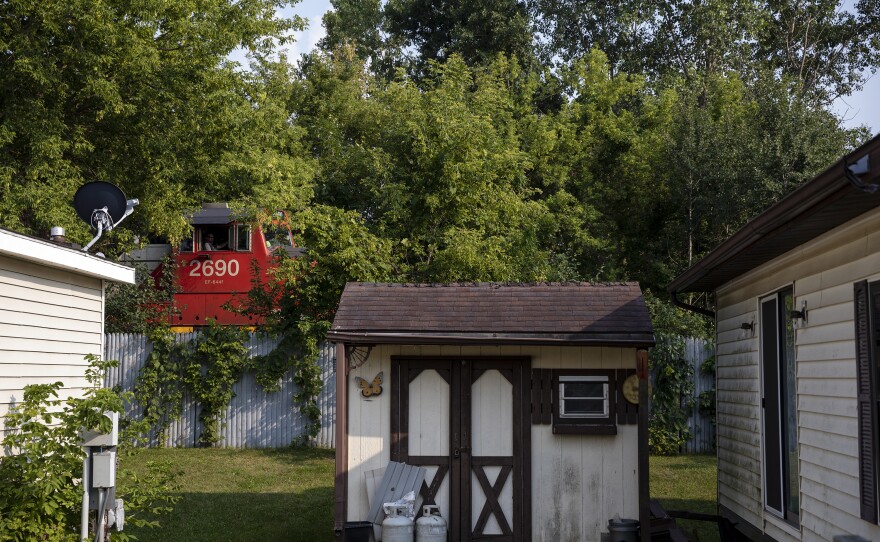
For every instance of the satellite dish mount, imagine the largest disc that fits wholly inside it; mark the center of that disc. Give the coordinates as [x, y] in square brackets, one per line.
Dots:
[102, 206]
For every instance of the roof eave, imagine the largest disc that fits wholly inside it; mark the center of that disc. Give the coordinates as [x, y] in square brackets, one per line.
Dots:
[631, 340]
[825, 187]
[23, 247]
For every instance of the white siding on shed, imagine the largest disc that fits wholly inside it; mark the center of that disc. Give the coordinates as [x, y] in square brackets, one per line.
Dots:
[578, 482]
[823, 273]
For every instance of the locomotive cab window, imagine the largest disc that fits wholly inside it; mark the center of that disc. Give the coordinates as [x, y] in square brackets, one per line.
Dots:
[187, 244]
[216, 238]
[584, 402]
[243, 238]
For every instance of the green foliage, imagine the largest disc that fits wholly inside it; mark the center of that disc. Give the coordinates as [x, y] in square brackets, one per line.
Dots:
[476, 32]
[140, 307]
[300, 300]
[159, 388]
[824, 45]
[207, 367]
[437, 169]
[213, 363]
[673, 386]
[706, 399]
[140, 94]
[40, 483]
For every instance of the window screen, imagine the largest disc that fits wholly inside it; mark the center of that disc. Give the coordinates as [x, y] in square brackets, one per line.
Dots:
[583, 397]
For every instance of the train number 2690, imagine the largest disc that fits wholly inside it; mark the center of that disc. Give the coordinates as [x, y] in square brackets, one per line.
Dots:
[219, 268]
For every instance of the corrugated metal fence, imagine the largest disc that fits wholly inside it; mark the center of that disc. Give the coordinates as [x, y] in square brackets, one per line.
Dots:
[702, 429]
[255, 419]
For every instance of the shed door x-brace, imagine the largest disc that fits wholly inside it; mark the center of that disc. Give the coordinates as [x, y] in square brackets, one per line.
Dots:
[467, 421]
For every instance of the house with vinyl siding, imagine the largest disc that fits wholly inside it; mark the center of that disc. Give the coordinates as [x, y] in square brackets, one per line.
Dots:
[51, 314]
[520, 401]
[797, 316]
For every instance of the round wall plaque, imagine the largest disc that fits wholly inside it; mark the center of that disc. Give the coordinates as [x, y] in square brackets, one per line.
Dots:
[631, 389]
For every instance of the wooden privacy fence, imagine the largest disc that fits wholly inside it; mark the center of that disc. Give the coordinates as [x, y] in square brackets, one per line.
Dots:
[701, 426]
[254, 419]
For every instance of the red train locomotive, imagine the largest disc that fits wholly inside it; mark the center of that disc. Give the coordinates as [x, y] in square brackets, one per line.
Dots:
[215, 266]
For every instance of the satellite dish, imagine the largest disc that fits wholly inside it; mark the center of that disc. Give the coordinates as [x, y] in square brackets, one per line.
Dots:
[102, 206]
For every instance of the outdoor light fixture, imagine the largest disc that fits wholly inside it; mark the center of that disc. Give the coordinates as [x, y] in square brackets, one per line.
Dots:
[801, 314]
[749, 326]
[860, 167]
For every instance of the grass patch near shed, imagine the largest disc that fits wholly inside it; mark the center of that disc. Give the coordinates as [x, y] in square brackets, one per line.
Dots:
[688, 482]
[287, 494]
[244, 495]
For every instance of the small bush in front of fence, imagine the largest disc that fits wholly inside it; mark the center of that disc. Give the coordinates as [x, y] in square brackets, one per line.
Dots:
[41, 478]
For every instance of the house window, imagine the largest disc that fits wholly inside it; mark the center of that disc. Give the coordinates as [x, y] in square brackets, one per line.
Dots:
[866, 302]
[779, 386]
[584, 402]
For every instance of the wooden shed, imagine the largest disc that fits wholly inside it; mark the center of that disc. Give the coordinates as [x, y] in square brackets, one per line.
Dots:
[797, 312]
[51, 314]
[520, 400]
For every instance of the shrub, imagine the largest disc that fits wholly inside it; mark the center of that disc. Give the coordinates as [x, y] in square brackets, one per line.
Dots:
[40, 478]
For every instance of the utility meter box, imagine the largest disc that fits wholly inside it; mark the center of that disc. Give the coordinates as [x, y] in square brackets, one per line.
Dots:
[95, 438]
[104, 469]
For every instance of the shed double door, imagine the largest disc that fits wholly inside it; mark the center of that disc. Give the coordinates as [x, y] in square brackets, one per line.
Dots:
[467, 422]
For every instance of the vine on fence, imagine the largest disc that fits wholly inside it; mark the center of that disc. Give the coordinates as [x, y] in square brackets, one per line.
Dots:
[159, 389]
[706, 399]
[297, 304]
[673, 397]
[209, 366]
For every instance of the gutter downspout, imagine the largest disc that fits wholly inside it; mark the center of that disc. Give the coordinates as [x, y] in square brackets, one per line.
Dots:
[693, 308]
[643, 451]
[340, 489]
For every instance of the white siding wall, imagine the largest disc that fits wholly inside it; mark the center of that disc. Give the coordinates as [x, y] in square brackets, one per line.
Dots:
[49, 320]
[823, 273]
[578, 481]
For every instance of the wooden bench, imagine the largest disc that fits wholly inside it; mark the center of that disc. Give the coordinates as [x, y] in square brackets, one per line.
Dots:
[663, 526]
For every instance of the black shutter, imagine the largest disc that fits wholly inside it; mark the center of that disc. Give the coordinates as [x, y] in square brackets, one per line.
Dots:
[867, 401]
[772, 417]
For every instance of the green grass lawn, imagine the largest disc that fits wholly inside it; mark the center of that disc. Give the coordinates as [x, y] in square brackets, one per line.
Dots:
[287, 494]
[245, 495]
[687, 482]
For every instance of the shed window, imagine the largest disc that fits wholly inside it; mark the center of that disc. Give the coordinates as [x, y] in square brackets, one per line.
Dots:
[583, 402]
[583, 396]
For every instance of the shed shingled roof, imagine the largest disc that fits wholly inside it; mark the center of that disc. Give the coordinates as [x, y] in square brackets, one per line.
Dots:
[493, 313]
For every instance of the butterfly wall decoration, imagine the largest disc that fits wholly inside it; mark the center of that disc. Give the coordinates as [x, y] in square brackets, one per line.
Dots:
[370, 389]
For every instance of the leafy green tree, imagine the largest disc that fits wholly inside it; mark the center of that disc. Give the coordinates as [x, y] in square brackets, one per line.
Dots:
[574, 27]
[817, 43]
[438, 169]
[361, 25]
[476, 31]
[139, 94]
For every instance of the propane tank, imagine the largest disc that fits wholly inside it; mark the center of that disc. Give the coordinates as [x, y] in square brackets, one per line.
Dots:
[431, 527]
[397, 527]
